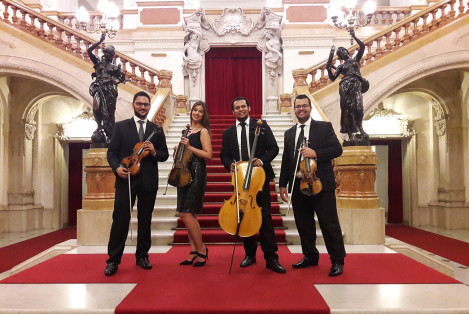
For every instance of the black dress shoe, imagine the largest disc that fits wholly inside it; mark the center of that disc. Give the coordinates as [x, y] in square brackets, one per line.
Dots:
[336, 269]
[305, 262]
[248, 261]
[275, 266]
[111, 269]
[144, 263]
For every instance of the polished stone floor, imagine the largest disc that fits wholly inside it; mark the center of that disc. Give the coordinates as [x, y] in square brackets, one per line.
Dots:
[347, 298]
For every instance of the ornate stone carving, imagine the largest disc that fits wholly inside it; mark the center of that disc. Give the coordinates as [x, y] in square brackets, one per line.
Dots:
[285, 105]
[271, 43]
[30, 123]
[232, 20]
[195, 45]
[181, 104]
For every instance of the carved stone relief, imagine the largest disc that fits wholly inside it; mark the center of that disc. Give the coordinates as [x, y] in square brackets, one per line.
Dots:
[233, 20]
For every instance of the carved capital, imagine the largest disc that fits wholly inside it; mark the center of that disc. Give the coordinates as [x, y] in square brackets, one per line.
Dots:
[164, 78]
[300, 75]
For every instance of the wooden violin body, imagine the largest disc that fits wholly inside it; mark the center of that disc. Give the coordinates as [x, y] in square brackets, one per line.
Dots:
[240, 215]
[310, 183]
[251, 213]
[133, 162]
[180, 175]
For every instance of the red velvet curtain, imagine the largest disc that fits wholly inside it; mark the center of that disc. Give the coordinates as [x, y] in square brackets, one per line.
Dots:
[230, 73]
[75, 177]
[395, 196]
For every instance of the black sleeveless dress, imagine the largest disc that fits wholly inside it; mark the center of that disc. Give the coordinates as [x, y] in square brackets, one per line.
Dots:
[190, 198]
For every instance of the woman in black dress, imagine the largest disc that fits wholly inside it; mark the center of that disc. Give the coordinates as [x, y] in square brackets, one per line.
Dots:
[190, 199]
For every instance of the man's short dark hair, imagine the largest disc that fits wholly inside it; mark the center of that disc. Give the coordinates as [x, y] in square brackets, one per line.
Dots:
[142, 93]
[302, 96]
[237, 99]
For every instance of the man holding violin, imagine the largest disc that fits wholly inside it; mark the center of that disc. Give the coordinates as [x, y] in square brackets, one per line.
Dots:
[128, 136]
[324, 146]
[236, 145]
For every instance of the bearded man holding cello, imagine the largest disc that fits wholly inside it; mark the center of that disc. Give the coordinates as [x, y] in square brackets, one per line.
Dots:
[323, 146]
[148, 137]
[236, 145]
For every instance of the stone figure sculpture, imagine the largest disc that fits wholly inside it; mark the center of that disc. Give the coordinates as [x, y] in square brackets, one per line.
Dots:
[192, 57]
[103, 89]
[351, 88]
[273, 46]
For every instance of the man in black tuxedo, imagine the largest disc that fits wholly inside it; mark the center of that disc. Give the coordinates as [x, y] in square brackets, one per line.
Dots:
[324, 146]
[144, 185]
[236, 145]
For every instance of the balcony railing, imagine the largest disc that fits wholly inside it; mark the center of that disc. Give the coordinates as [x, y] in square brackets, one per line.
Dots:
[389, 40]
[77, 42]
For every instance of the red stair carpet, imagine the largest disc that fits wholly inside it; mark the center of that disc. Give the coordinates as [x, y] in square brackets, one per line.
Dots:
[17, 253]
[219, 189]
[171, 288]
[452, 249]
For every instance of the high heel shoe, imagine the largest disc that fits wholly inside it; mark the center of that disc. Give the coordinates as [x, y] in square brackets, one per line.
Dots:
[186, 262]
[198, 264]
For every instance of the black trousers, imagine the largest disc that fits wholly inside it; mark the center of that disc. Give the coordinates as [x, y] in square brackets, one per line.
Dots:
[121, 219]
[267, 239]
[324, 204]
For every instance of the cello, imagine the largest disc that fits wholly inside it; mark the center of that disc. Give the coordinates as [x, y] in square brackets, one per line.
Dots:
[180, 175]
[310, 183]
[240, 215]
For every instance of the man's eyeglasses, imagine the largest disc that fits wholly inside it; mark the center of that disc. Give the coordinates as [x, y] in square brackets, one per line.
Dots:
[142, 104]
[302, 106]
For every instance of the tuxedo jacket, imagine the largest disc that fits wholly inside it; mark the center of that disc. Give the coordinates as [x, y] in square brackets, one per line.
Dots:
[123, 140]
[266, 149]
[324, 142]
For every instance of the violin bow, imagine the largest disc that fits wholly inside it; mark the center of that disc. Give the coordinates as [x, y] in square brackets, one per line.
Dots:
[130, 208]
[294, 173]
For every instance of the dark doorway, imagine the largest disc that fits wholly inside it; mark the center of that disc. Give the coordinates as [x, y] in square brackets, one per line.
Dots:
[75, 179]
[395, 194]
[230, 73]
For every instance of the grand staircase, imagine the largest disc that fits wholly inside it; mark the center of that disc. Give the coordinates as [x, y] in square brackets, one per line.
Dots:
[167, 228]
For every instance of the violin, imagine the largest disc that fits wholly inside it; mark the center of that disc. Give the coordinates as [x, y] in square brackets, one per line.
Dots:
[240, 215]
[310, 183]
[180, 175]
[132, 162]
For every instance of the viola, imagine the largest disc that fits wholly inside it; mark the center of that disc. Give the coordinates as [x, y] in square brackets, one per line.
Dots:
[132, 162]
[240, 215]
[180, 175]
[310, 183]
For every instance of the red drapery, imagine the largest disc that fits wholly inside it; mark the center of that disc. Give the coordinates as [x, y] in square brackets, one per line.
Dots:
[395, 195]
[230, 73]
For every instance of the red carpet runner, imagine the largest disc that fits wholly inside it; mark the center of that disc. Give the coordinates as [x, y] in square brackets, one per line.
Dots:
[452, 249]
[170, 288]
[218, 190]
[17, 253]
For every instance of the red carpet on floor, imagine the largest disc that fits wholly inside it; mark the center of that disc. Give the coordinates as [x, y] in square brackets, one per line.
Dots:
[452, 249]
[171, 288]
[17, 253]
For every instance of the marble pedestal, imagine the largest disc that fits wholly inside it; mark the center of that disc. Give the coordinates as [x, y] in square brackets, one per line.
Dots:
[361, 218]
[95, 218]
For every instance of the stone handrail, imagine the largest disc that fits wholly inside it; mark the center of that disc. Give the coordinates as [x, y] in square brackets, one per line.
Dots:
[384, 16]
[77, 43]
[389, 40]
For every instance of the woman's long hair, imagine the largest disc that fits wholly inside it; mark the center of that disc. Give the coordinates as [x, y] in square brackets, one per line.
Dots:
[205, 119]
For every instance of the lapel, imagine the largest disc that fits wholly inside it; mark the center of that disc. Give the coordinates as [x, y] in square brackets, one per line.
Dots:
[132, 126]
[234, 136]
[252, 130]
[290, 141]
[312, 130]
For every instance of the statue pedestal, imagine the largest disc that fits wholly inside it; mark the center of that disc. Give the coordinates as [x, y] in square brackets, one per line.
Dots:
[361, 218]
[95, 218]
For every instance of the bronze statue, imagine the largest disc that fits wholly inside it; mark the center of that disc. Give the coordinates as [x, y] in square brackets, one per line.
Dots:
[107, 76]
[351, 87]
